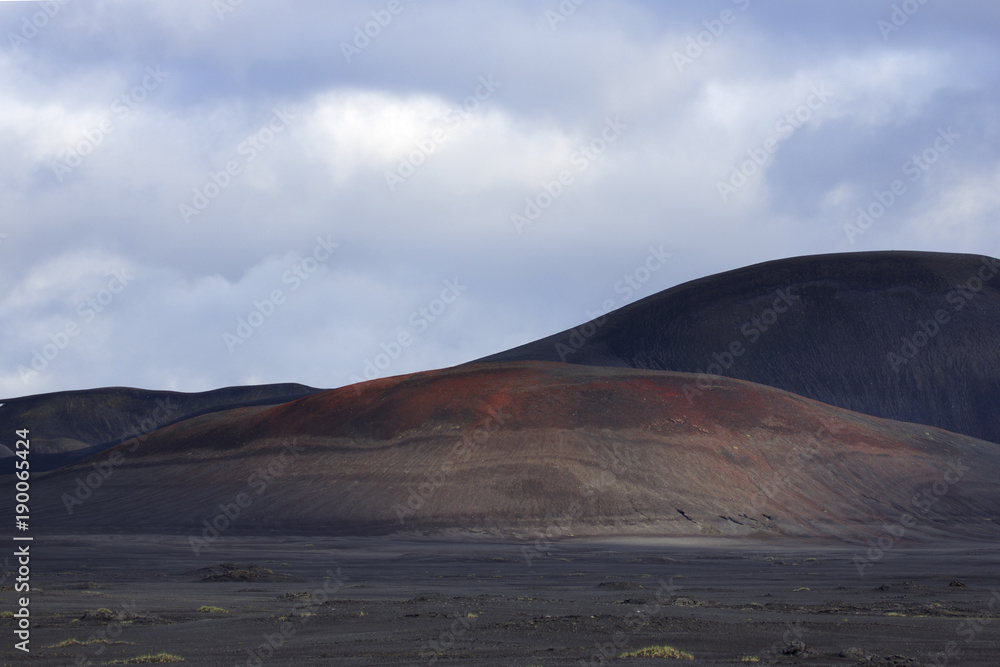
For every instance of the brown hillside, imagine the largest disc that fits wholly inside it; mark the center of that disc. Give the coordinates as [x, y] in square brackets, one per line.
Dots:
[528, 448]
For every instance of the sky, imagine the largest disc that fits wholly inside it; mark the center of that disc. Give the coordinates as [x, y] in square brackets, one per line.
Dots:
[205, 193]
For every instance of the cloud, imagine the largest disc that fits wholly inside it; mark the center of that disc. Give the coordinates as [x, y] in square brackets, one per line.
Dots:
[417, 156]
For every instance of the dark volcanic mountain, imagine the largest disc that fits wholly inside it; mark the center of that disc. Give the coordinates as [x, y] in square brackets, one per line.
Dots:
[909, 336]
[69, 425]
[526, 448]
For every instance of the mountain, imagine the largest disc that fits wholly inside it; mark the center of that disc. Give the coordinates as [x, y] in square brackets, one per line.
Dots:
[528, 449]
[68, 425]
[908, 336]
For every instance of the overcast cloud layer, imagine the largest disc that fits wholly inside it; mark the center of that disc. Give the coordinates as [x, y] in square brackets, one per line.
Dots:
[198, 194]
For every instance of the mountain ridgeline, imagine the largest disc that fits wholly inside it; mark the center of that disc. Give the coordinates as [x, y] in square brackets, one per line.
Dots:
[69, 425]
[639, 434]
[908, 336]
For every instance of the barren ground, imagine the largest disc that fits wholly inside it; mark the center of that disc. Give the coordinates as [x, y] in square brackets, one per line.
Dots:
[384, 601]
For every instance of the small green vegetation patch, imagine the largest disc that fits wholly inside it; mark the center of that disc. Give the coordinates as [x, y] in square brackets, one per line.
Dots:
[658, 652]
[73, 641]
[149, 658]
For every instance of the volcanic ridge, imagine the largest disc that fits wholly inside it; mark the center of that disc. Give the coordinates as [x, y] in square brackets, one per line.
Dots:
[779, 400]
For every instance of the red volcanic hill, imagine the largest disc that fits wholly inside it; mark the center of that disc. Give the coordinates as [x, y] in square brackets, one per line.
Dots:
[518, 449]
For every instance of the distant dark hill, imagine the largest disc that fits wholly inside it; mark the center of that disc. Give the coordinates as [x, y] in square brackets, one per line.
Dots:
[66, 424]
[910, 336]
[530, 448]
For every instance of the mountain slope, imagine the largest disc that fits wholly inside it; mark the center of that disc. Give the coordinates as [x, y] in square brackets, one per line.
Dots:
[533, 448]
[909, 336]
[90, 420]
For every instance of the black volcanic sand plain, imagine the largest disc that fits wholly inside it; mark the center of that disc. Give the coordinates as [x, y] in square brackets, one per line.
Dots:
[910, 336]
[375, 601]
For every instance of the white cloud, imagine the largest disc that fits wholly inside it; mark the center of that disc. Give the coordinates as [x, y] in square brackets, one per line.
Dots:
[962, 214]
[324, 175]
